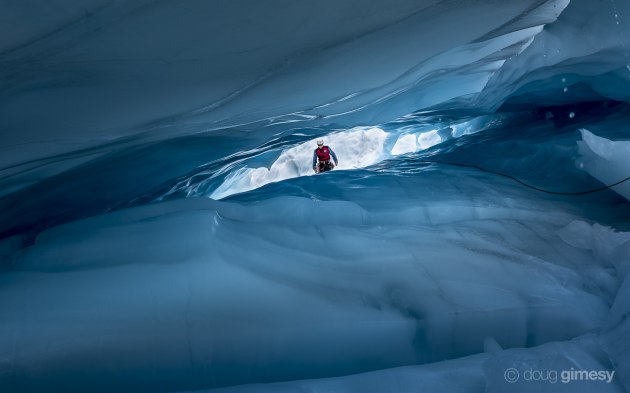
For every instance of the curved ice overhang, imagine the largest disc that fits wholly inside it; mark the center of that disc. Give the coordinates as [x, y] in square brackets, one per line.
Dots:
[589, 45]
[87, 73]
[78, 85]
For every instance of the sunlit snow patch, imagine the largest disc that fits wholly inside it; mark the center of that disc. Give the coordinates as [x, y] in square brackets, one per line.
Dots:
[405, 144]
[411, 143]
[356, 148]
[429, 139]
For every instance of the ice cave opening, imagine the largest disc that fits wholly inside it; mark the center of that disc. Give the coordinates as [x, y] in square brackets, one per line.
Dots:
[359, 147]
[162, 230]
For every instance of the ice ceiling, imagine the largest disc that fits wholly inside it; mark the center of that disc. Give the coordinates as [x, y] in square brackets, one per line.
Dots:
[82, 73]
[161, 230]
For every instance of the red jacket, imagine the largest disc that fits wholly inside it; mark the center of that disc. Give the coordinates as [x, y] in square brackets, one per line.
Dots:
[323, 154]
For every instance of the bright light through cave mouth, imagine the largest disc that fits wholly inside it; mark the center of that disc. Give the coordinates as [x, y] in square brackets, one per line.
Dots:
[357, 148]
[162, 229]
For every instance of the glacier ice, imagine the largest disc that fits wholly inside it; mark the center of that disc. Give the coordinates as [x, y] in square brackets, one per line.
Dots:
[606, 160]
[76, 78]
[161, 229]
[317, 278]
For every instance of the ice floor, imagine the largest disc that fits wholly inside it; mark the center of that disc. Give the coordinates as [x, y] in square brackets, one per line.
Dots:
[399, 263]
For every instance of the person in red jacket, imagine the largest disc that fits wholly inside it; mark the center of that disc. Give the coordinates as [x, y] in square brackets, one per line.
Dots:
[321, 158]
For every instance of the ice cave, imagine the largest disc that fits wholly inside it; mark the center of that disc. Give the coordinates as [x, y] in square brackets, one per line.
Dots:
[162, 228]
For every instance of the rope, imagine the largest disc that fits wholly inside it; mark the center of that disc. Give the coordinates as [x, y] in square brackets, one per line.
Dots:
[523, 183]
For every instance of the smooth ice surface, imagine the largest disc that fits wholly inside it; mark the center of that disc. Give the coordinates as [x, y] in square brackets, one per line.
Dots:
[89, 72]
